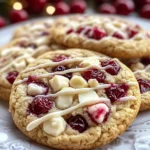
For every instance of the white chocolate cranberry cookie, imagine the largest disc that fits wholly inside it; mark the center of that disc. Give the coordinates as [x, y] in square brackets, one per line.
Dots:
[108, 35]
[74, 99]
[141, 69]
[12, 61]
[36, 36]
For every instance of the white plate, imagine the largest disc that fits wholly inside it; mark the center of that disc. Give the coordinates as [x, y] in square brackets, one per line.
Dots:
[137, 137]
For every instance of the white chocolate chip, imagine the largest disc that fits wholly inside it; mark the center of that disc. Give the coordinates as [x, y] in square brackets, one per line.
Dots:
[54, 126]
[98, 112]
[90, 61]
[19, 65]
[34, 89]
[88, 96]
[93, 83]
[78, 82]
[58, 82]
[64, 101]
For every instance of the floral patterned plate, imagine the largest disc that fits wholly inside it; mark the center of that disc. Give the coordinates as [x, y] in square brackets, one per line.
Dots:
[137, 137]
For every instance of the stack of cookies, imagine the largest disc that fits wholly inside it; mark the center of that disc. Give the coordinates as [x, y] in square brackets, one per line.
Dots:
[76, 82]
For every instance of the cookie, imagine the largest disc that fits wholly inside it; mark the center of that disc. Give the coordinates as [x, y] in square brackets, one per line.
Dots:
[29, 42]
[12, 61]
[111, 36]
[141, 69]
[74, 99]
[35, 35]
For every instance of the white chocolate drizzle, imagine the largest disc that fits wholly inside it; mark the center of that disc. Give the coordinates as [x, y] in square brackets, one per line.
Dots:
[38, 121]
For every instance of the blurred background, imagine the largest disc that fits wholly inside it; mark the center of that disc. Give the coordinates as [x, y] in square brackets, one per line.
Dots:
[13, 11]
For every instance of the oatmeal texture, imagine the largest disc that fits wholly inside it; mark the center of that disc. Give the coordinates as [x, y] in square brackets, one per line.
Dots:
[120, 116]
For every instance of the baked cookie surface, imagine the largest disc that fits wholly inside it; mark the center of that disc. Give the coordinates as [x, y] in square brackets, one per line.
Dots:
[109, 35]
[74, 99]
[29, 42]
[35, 35]
[141, 69]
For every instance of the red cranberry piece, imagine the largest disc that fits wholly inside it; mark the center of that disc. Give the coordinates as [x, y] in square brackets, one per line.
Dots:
[94, 74]
[79, 30]
[40, 105]
[2, 22]
[18, 15]
[78, 6]
[97, 34]
[132, 32]
[115, 92]
[78, 123]
[145, 11]
[60, 58]
[145, 61]
[118, 35]
[114, 66]
[124, 7]
[70, 31]
[61, 8]
[62, 68]
[144, 85]
[107, 8]
[11, 76]
[32, 79]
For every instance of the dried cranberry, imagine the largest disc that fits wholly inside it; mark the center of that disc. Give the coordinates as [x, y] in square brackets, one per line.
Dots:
[145, 61]
[62, 68]
[132, 32]
[70, 31]
[114, 66]
[32, 79]
[78, 123]
[144, 85]
[40, 105]
[118, 35]
[94, 74]
[115, 92]
[97, 34]
[60, 58]
[11, 76]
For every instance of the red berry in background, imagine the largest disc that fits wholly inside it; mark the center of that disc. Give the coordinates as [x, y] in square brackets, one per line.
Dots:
[145, 11]
[36, 6]
[54, 1]
[61, 8]
[124, 7]
[2, 22]
[78, 6]
[107, 8]
[11, 76]
[141, 3]
[18, 16]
